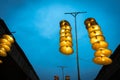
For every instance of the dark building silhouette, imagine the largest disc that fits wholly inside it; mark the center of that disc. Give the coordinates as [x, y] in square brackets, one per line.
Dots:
[112, 71]
[16, 65]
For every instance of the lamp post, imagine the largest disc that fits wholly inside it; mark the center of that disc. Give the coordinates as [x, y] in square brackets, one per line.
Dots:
[62, 68]
[74, 14]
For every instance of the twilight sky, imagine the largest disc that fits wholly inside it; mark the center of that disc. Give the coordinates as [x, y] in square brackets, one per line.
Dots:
[36, 23]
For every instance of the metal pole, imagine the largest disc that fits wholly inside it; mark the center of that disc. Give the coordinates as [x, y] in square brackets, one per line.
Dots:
[62, 67]
[74, 14]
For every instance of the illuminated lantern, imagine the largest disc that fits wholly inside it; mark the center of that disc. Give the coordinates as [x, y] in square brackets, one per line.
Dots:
[68, 27]
[63, 27]
[6, 47]
[100, 44]
[95, 33]
[9, 38]
[62, 34]
[62, 31]
[5, 41]
[93, 28]
[103, 52]
[66, 38]
[67, 50]
[3, 52]
[102, 60]
[96, 39]
[68, 34]
[1, 61]
[89, 22]
[67, 31]
[65, 43]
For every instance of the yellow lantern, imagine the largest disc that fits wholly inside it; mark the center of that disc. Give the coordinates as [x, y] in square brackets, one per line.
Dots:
[100, 44]
[62, 31]
[5, 41]
[93, 28]
[66, 38]
[95, 33]
[9, 38]
[102, 60]
[3, 52]
[64, 22]
[62, 34]
[63, 27]
[6, 47]
[96, 39]
[68, 34]
[65, 43]
[67, 50]
[89, 22]
[67, 31]
[1, 61]
[103, 52]
[68, 27]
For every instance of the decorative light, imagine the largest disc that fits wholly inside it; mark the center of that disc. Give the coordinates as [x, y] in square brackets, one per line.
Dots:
[1, 61]
[5, 44]
[95, 33]
[67, 50]
[98, 42]
[9, 38]
[65, 38]
[3, 52]
[103, 52]
[96, 39]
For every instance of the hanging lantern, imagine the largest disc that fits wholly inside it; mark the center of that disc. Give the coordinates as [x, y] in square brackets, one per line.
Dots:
[67, 31]
[65, 43]
[96, 39]
[103, 52]
[1, 61]
[93, 28]
[95, 33]
[98, 42]
[3, 52]
[65, 38]
[68, 27]
[5, 41]
[62, 31]
[67, 50]
[102, 60]
[62, 34]
[68, 34]
[63, 27]
[6, 47]
[9, 38]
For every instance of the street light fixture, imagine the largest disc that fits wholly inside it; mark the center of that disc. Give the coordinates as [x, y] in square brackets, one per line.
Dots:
[74, 14]
[62, 68]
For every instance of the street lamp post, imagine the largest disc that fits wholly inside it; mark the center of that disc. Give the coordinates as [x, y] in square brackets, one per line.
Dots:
[74, 14]
[62, 68]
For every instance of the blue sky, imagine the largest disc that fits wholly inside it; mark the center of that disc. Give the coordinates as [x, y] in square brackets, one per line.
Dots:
[36, 23]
